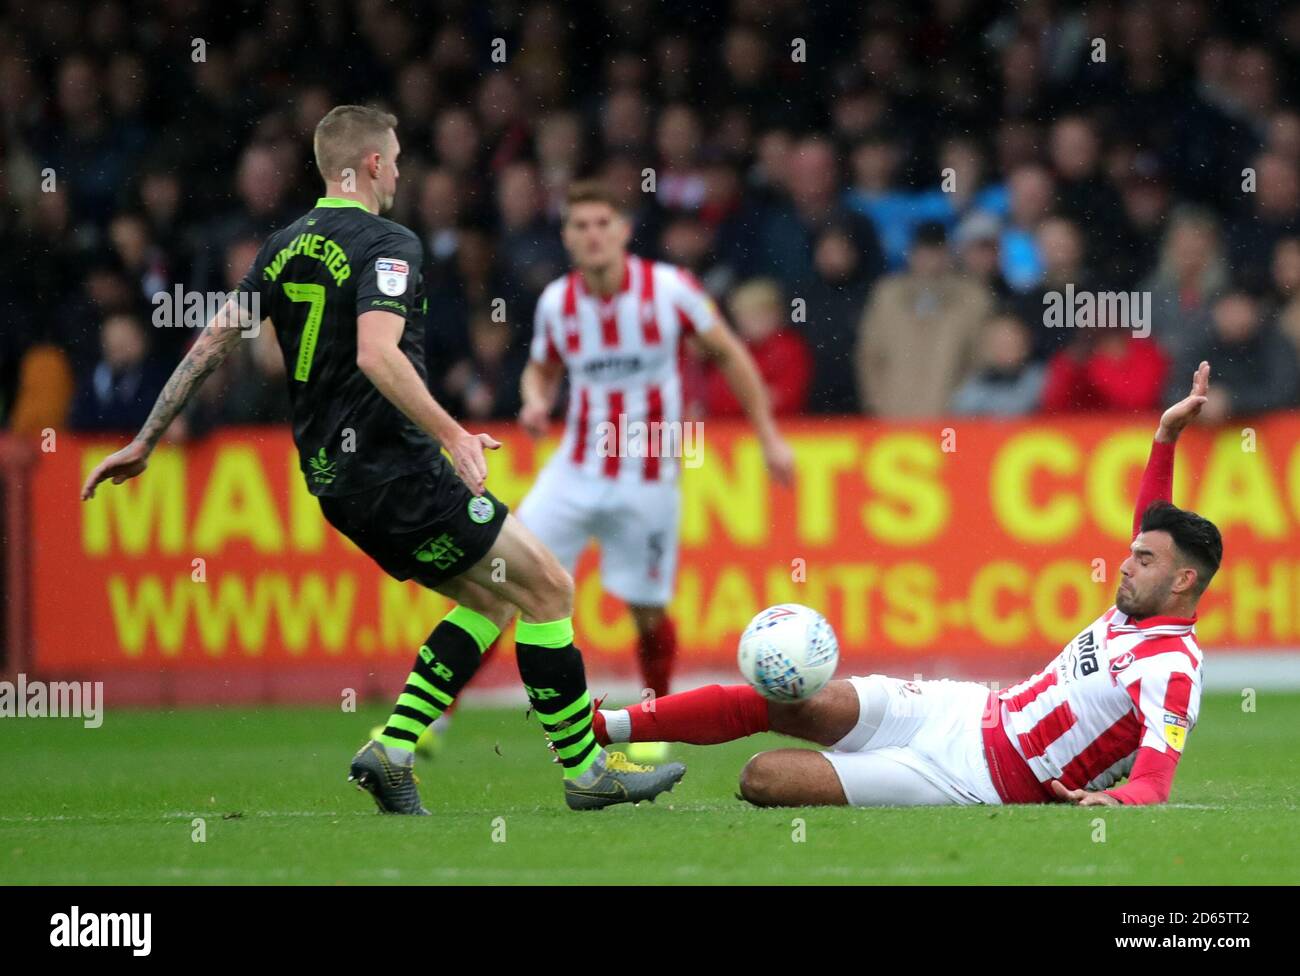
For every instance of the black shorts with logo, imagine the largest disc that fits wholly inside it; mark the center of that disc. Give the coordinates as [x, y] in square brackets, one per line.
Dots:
[424, 526]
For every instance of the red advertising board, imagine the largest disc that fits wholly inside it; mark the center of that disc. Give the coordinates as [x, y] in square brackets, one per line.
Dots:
[959, 546]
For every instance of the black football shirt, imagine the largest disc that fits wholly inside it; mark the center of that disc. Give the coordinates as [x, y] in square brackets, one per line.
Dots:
[313, 279]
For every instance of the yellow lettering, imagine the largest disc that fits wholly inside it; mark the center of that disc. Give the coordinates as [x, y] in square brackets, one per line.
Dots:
[1237, 488]
[911, 617]
[1054, 621]
[407, 613]
[314, 610]
[990, 580]
[604, 635]
[1252, 596]
[735, 494]
[237, 504]
[856, 581]
[913, 506]
[731, 606]
[1010, 484]
[150, 609]
[819, 461]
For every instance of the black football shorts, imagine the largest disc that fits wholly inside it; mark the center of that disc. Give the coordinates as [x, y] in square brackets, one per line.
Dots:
[424, 526]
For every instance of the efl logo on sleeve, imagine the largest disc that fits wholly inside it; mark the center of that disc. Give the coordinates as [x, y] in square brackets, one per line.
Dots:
[392, 276]
[1176, 730]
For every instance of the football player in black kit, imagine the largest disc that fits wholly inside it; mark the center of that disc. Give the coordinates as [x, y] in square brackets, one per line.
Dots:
[340, 285]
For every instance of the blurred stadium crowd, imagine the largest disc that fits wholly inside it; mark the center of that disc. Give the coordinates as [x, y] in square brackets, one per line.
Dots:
[879, 194]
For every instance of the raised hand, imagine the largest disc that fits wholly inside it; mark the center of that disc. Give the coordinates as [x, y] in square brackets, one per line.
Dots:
[1173, 420]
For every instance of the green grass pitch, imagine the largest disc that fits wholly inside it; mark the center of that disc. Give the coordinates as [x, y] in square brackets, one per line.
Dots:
[116, 805]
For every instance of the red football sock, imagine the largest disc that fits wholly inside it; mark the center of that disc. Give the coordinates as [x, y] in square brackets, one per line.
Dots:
[704, 716]
[657, 650]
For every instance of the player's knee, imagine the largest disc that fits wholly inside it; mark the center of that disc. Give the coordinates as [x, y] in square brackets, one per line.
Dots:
[556, 590]
[760, 780]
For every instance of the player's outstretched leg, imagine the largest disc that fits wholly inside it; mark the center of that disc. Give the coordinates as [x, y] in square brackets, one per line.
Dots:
[553, 675]
[446, 661]
[722, 713]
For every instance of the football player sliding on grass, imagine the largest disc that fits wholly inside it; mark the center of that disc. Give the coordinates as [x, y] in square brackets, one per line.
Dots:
[1118, 701]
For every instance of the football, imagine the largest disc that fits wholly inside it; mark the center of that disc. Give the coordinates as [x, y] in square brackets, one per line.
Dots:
[788, 652]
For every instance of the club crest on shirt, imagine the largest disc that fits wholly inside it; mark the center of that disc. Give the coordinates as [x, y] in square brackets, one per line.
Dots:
[1119, 663]
[1176, 730]
[391, 275]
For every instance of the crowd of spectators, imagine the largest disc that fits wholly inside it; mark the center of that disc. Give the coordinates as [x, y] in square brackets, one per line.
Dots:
[884, 197]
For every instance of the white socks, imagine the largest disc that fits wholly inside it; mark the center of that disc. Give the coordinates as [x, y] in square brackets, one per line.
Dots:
[618, 725]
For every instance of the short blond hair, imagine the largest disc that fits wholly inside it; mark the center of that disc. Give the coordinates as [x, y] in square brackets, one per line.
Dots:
[346, 134]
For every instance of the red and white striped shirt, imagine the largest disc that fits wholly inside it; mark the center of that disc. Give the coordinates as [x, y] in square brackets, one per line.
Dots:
[1118, 701]
[625, 396]
[1120, 687]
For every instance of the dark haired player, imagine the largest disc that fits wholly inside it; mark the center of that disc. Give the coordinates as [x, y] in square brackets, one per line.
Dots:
[615, 324]
[340, 285]
[1118, 701]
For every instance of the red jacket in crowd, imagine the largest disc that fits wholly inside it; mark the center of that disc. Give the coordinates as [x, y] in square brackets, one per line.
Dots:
[1119, 373]
[785, 364]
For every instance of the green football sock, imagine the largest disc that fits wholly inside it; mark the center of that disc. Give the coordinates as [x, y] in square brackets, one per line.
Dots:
[553, 675]
[445, 663]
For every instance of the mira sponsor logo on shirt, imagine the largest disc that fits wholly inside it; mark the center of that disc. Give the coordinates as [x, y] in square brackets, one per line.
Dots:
[75, 930]
[1079, 659]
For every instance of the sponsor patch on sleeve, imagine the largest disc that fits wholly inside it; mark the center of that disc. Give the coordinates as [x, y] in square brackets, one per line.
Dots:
[1175, 730]
[392, 275]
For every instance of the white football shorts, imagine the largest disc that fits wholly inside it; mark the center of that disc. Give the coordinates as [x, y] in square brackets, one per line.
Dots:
[634, 523]
[917, 743]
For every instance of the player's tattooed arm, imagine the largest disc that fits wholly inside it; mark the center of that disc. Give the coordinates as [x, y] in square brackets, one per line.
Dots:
[722, 346]
[208, 352]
